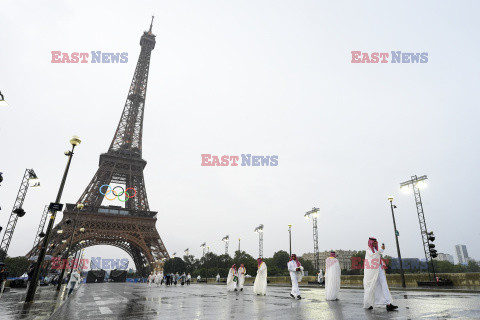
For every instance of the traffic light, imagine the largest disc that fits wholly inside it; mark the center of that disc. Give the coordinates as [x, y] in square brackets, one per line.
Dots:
[431, 246]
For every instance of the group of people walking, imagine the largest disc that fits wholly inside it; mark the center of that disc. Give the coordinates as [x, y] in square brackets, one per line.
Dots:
[236, 278]
[158, 278]
[375, 285]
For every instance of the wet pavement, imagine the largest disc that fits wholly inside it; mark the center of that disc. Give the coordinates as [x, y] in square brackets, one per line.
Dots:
[200, 301]
[47, 300]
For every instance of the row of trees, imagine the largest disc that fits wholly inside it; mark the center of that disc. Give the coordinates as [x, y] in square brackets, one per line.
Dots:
[211, 264]
[415, 266]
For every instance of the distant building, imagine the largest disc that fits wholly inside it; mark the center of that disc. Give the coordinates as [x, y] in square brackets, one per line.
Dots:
[445, 257]
[343, 256]
[462, 254]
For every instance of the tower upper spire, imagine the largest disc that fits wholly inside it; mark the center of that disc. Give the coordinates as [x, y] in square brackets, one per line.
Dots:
[128, 137]
[151, 24]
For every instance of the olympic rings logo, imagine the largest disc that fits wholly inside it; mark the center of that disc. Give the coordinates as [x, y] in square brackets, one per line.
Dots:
[117, 192]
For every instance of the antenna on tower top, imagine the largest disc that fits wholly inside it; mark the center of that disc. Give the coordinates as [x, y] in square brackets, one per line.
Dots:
[151, 23]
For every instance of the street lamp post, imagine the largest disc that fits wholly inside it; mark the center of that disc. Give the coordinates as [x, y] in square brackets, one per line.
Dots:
[314, 214]
[290, 237]
[239, 245]
[392, 206]
[66, 254]
[259, 230]
[75, 141]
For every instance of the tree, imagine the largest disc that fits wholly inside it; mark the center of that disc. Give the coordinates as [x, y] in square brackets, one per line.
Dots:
[16, 266]
[472, 267]
[174, 265]
[280, 259]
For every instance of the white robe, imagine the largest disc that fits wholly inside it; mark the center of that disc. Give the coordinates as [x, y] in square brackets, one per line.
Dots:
[150, 279]
[241, 277]
[332, 278]
[158, 278]
[295, 276]
[374, 280]
[218, 278]
[231, 284]
[74, 280]
[260, 285]
[320, 276]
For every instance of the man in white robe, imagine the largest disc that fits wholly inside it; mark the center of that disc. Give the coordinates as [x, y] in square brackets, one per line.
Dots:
[374, 279]
[218, 277]
[320, 276]
[232, 279]
[296, 271]
[260, 284]
[150, 279]
[157, 279]
[241, 276]
[332, 277]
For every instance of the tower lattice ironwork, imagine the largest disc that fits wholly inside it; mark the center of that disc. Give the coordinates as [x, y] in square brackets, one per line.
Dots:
[131, 228]
[414, 182]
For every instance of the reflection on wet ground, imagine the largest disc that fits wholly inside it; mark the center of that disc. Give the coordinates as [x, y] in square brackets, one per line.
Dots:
[137, 301]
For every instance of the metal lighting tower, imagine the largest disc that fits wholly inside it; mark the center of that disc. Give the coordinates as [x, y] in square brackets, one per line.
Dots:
[203, 246]
[259, 230]
[40, 233]
[226, 239]
[430, 252]
[238, 244]
[187, 251]
[314, 214]
[29, 179]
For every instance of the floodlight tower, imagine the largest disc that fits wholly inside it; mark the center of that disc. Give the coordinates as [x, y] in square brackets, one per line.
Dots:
[187, 251]
[203, 246]
[418, 183]
[30, 179]
[226, 239]
[314, 214]
[259, 230]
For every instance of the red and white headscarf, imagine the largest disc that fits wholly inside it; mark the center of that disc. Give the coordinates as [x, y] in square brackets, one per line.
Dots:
[332, 254]
[372, 240]
[234, 267]
[259, 261]
[294, 257]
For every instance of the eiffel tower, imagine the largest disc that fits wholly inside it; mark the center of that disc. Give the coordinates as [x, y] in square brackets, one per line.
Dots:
[131, 228]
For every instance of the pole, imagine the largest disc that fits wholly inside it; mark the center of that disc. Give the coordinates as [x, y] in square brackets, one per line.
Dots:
[65, 255]
[398, 245]
[33, 282]
[290, 237]
[239, 245]
[315, 244]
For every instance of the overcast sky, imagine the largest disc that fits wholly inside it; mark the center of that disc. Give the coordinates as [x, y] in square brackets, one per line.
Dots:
[258, 77]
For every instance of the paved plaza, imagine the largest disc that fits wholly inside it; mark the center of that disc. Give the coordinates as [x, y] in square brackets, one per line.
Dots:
[137, 301]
